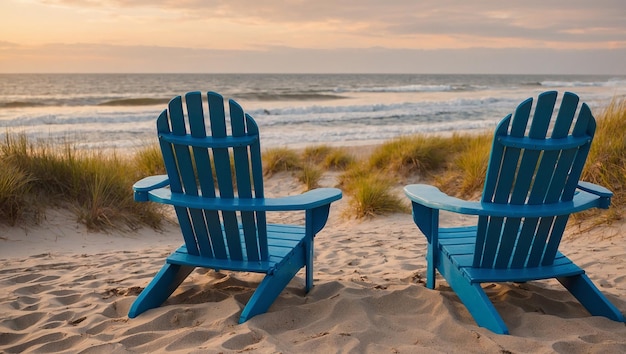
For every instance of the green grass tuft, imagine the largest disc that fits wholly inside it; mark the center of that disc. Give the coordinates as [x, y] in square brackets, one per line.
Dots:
[466, 175]
[149, 161]
[606, 164]
[316, 154]
[96, 185]
[328, 157]
[279, 160]
[15, 186]
[338, 159]
[372, 194]
[310, 176]
[411, 154]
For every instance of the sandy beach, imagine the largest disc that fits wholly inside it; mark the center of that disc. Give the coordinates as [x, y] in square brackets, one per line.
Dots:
[68, 290]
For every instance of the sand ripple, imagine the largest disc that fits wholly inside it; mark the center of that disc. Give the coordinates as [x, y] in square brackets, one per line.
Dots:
[369, 298]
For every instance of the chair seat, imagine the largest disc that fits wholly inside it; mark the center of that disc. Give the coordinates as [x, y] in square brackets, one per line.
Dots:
[458, 245]
[282, 240]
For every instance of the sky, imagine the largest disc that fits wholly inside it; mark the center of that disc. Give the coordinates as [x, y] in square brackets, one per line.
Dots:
[315, 36]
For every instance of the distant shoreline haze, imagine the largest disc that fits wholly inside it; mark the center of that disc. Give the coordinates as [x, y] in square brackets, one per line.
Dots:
[110, 58]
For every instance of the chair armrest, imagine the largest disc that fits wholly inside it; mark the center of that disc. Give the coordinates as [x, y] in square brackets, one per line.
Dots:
[595, 189]
[432, 197]
[143, 186]
[604, 193]
[308, 200]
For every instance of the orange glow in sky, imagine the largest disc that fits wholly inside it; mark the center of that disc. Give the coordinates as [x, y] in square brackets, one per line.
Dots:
[58, 35]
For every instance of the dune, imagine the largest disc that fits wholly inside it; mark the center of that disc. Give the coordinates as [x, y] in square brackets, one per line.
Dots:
[68, 290]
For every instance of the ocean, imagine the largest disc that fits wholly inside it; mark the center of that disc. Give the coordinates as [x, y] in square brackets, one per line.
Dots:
[118, 111]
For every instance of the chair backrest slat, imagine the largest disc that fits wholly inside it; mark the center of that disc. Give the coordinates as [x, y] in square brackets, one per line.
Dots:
[183, 156]
[223, 171]
[185, 172]
[198, 162]
[244, 184]
[169, 159]
[257, 181]
[202, 163]
[540, 163]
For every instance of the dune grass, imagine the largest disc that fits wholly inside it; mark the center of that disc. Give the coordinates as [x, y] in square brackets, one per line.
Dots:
[97, 186]
[370, 192]
[338, 159]
[310, 175]
[280, 159]
[316, 154]
[371, 183]
[328, 157]
[307, 166]
[466, 174]
[15, 186]
[410, 154]
[606, 164]
[149, 161]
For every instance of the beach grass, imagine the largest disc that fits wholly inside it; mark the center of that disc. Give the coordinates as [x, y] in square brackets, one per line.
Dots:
[280, 159]
[466, 174]
[316, 154]
[328, 157]
[98, 186]
[14, 193]
[310, 175]
[308, 165]
[410, 154]
[339, 159]
[149, 160]
[371, 184]
[606, 163]
[370, 193]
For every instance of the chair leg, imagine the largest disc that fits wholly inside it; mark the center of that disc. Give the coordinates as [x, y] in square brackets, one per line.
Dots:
[308, 249]
[160, 288]
[590, 297]
[273, 284]
[430, 267]
[481, 308]
[474, 298]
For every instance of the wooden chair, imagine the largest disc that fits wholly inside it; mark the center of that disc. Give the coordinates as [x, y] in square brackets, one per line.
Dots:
[531, 187]
[214, 182]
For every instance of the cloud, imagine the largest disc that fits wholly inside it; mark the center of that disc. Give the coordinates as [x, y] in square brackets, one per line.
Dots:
[534, 23]
[8, 45]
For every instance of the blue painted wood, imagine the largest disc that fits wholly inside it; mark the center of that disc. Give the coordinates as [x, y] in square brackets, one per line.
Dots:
[202, 163]
[306, 200]
[432, 197]
[244, 184]
[160, 288]
[531, 187]
[174, 178]
[214, 182]
[588, 294]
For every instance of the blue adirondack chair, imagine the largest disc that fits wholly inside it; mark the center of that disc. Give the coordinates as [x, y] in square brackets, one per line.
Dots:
[223, 220]
[531, 187]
